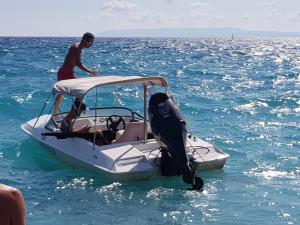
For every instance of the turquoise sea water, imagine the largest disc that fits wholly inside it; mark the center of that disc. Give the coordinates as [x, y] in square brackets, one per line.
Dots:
[242, 95]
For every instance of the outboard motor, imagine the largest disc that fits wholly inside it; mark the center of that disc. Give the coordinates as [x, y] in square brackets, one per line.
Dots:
[169, 128]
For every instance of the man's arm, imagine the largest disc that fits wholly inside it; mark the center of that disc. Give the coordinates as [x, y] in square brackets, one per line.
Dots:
[80, 65]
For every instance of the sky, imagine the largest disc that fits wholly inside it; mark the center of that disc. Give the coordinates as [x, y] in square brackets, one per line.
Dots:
[75, 17]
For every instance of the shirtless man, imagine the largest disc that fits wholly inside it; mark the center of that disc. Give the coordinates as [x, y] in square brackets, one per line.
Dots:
[12, 206]
[72, 60]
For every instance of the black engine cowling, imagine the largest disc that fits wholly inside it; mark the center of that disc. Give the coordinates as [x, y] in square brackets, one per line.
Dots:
[169, 128]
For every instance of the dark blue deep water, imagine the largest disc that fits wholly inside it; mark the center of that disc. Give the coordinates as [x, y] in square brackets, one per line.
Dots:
[241, 95]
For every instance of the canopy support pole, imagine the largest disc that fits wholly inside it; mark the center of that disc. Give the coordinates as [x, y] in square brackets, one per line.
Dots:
[42, 110]
[145, 113]
[94, 141]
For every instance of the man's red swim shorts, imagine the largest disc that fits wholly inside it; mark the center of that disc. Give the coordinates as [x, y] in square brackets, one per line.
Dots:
[65, 74]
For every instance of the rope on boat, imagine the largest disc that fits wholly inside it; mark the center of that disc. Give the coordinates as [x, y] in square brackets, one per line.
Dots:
[214, 168]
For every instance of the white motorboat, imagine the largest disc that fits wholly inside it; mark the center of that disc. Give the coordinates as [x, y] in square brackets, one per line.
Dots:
[137, 147]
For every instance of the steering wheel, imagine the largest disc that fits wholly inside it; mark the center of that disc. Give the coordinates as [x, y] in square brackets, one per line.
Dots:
[113, 122]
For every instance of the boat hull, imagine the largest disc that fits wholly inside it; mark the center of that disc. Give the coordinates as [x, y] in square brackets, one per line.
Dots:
[123, 161]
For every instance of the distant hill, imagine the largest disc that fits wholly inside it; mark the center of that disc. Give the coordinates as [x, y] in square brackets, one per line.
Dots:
[196, 32]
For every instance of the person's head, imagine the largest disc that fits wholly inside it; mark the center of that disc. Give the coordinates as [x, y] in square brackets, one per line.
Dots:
[78, 107]
[87, 39]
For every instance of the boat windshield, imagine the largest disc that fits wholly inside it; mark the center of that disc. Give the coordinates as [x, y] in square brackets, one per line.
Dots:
[101, 115]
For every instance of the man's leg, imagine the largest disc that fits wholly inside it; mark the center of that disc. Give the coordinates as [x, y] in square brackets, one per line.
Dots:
[58, 101]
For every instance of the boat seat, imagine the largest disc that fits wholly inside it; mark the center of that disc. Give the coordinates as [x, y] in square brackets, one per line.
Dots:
[134, 131]
[79, 123]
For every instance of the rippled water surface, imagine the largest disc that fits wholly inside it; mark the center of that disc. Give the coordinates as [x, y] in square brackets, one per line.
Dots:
[241, 95]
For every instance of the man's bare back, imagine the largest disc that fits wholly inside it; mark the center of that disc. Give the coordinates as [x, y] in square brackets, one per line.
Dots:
[73, 57]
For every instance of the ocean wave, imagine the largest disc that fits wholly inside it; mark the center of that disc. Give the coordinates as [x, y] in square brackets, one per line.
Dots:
[271, 174]
[267, 125]
[251, 107]
[21, 99]
[247, 85]
[285, 110]
[75, 183]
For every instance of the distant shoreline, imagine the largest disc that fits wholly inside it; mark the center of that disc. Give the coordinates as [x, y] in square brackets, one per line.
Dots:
[227, 33]
[197, 33]
[155, 37]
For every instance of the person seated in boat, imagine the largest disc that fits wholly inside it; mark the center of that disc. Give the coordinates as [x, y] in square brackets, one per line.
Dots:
[12, 206]
[67, 124]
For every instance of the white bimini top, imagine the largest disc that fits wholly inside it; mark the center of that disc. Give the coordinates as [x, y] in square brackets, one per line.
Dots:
[79, 87]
